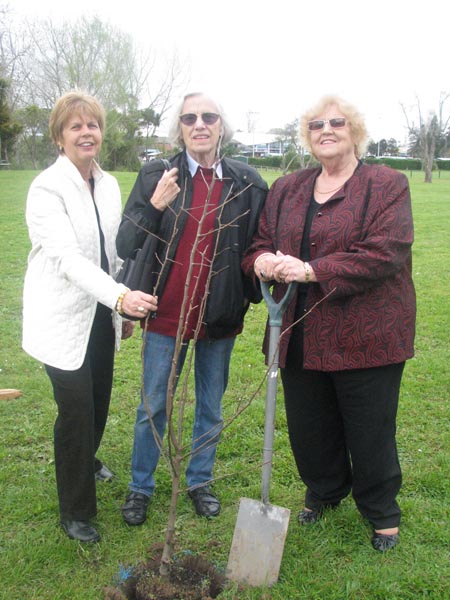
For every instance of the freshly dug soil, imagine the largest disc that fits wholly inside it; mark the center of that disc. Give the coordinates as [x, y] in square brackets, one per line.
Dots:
[191, 578]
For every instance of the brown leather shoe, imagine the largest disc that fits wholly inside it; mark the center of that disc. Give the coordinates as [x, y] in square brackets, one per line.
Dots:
[205, 502]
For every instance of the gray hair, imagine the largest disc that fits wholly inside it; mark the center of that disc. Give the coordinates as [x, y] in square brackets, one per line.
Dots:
[175, 134]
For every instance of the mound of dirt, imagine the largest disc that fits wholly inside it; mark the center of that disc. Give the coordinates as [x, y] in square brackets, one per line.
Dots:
[190, 578]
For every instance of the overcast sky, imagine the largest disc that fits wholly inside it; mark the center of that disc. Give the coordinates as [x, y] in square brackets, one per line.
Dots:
[277, 58]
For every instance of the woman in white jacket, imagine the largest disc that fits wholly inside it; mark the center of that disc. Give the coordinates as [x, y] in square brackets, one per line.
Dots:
[72, 304]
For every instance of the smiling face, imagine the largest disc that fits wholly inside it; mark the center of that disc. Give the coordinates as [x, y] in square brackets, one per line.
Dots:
[201, 140]
[329, 143]
[81, 139]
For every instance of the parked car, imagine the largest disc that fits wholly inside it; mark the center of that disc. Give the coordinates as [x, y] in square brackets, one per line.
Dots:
[149, 154]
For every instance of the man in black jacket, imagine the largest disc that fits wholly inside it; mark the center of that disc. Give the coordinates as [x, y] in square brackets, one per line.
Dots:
[203, 212]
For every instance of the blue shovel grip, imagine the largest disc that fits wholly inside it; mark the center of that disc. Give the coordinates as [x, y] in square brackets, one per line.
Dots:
[276, 310]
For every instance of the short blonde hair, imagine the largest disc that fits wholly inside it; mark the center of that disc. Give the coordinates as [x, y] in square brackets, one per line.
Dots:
[66, 106]
[354, 117]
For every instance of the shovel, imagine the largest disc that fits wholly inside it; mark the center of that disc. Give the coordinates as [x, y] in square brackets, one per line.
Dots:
[261, 528]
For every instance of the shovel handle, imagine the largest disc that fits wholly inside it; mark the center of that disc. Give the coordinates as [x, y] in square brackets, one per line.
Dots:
[276, 310]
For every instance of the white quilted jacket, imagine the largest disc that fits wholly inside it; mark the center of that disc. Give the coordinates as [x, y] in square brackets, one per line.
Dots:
[64, 280]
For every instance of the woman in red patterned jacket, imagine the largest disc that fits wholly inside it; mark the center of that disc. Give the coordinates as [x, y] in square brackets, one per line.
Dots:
[344, 232]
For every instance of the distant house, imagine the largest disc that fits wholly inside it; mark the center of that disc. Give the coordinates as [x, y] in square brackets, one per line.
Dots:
[247, 144]
[258, 144]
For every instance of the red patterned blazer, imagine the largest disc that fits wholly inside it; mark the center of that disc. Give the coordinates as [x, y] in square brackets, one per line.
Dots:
[360, 244]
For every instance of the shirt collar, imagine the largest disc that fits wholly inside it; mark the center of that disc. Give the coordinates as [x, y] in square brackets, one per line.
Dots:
[194, 165]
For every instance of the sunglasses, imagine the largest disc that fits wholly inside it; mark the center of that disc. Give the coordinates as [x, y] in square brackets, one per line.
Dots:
[208, 118]
[335, 123]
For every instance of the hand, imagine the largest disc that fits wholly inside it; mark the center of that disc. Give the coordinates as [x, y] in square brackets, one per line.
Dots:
[138, 304]
[166, 191]
[264, 266]
[291, 269]
[127, 329]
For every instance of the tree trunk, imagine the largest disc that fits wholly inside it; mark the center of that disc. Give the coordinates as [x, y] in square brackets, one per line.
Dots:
[164, 568]
[428, 168]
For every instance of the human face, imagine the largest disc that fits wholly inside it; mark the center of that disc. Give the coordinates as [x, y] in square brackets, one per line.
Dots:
[201, 140]
[331, 143]
[81, 139]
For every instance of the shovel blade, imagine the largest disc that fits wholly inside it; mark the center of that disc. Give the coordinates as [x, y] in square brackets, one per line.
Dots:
[258, 543]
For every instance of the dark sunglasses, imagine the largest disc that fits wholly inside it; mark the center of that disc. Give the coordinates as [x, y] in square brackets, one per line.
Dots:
[335, 123]
[208, 118]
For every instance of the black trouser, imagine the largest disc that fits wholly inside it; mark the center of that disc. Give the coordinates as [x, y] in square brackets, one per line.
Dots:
[82, 397]
[342, 431]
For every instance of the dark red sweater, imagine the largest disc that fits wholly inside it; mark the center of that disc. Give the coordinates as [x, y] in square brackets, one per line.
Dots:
[190, 271]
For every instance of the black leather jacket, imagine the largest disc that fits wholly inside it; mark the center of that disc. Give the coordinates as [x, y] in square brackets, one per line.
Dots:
[241, 202]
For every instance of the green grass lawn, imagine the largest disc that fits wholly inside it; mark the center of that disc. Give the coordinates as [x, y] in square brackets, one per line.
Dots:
[332, 560]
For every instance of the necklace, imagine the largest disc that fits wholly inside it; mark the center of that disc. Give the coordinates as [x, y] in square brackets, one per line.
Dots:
[328, 191]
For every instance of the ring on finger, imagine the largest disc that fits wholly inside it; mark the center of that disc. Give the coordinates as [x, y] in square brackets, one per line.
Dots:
[141, 309]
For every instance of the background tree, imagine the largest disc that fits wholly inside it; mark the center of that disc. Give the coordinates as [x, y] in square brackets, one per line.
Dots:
[121, 142]
[43, 60]
[86, 54]
[429, 138]
[392, 147]
[9, 127]
[293, 154]
[10, 56]
[149, 121]
[445, 149]
[34, 142]
[383, 147]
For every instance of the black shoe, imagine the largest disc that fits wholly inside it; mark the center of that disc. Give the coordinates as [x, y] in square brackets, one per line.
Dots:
[103, 474]
[307, 517]
[134, 510]
[205, 502]
[311, 515]
[383, 542]
[80, 530]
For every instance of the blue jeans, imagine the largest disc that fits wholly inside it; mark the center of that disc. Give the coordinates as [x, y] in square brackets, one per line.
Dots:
[212, 360]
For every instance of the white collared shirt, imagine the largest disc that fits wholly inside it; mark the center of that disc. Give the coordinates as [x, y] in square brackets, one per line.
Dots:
[194, 165]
